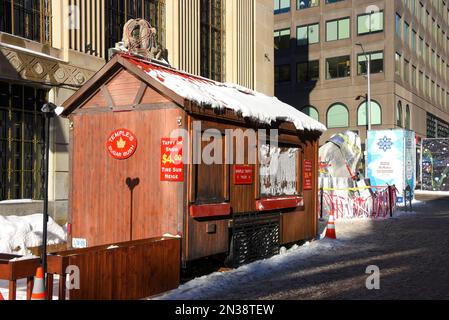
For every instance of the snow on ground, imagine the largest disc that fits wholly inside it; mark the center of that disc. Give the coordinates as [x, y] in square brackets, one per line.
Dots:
[17, 234]
[21, 293]
[219, 282]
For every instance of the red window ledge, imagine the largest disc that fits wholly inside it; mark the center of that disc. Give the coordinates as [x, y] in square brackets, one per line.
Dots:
[269, 204]
[210, 210]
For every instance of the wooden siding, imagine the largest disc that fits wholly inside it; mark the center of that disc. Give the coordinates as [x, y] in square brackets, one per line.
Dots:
[101, 199]
[129, 271]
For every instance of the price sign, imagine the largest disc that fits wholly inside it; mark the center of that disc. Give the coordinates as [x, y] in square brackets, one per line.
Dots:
[172, 166]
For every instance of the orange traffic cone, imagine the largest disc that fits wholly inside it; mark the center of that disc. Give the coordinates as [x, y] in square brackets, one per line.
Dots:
[330, 232]
[39, 285]
[1, 297]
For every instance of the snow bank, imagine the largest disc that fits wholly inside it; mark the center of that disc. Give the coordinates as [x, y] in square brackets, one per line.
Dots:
[17, 234]
[216, 95]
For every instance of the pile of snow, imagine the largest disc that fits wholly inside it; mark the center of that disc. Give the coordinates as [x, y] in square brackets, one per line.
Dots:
[217, 95]
[17, 234]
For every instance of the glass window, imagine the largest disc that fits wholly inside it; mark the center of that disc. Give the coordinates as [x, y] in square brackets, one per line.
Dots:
[282, 73]
[308, 34]
[30, 19]
[279, 167]
[281, 6]
[212, 45]
[304, 4]
[376, 114]
[282, 39]
[21, 141]
[311, 112]
[398, 25]
[406, 33]
[370, 23]
[397, 63]
[407, 71]
[414, 76]
[407, 117]
[338, 29]
[338, 67]
[338, 116]
[377, 62]
[399, 114]
[308, 71]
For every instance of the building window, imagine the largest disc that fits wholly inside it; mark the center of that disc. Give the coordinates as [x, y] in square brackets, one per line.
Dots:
[212, 39]
[308, 71]
[406, 71]
[338, 29]
[304, 4]
[376, 114]
[376, 62]
[338, 67]
[120, 11]
[338, 116]
[407, 118]
[282, 39]
[370, 23]
[399, 114]
[21, 141]
[406, 33]
[308, 34]
[30, 19]
[282, 73]
[398, 25]
[414, 77]
[311, 112]
[281, 6]
[397, 64]
[414, 35]
[421, 82]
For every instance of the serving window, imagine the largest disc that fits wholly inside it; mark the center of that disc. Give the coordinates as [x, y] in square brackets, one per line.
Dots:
[279, 171]
[210, 176]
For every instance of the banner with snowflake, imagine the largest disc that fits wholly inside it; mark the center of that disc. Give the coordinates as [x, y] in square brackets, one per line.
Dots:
[391, 159]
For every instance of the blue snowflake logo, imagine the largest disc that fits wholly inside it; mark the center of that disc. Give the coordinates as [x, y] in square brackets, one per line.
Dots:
[385, 144]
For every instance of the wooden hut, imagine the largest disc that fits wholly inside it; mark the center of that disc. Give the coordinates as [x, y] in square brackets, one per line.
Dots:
[131, 180]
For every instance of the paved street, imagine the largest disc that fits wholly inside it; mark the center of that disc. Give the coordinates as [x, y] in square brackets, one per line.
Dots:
[411, 250]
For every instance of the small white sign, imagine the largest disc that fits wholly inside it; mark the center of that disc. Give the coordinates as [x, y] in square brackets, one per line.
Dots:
[79, 243]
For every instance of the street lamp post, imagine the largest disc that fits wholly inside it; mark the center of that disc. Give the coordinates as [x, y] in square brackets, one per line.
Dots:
[49, 111]
[368, 103]
[368, 74]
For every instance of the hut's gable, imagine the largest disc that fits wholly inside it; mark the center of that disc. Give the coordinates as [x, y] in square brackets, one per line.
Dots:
[124, 90]
[151, 96]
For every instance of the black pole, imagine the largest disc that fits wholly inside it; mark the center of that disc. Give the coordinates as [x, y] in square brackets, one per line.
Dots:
[45, 220]
[49, 111]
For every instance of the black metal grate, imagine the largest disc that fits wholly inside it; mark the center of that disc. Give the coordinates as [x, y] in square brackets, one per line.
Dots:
[255, 237]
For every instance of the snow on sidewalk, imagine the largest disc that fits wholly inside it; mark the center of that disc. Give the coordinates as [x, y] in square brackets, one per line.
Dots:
[213, 284]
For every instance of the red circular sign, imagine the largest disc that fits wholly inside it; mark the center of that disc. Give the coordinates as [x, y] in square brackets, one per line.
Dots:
[121, 144]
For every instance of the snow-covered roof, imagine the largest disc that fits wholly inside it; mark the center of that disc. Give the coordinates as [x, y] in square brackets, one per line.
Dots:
[246, 102]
